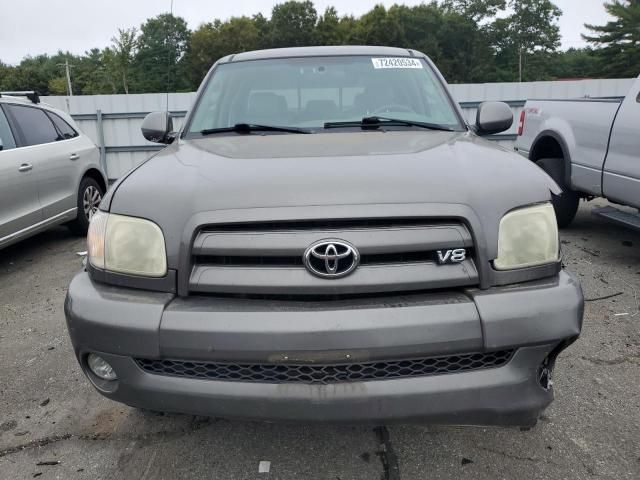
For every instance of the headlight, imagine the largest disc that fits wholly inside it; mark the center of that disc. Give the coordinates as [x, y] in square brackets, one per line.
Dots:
[528, 237]
[126, 245]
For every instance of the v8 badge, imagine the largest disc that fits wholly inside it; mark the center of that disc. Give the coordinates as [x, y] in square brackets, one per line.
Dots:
[451, 256]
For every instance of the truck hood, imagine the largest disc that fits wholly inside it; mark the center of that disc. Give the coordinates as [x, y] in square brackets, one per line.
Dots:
[255, 171]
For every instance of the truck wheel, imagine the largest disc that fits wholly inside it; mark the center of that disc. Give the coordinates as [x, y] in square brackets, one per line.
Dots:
[565, 204]
[89, 197]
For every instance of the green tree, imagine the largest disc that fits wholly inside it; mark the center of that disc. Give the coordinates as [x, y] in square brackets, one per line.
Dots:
[531, 27]
[238, 34]
[263, 25]
[418, 27]
[292, 24]
[380, 27]
[618, 41]
[34, 73]
[475, 10]
[6, 74]
[108, 71]
[328, 31]
[93, 73]
[201, 51]
[466, 54]
[123, 48]
[572, 63]
[57, 86]
[347, 26]
[161, 47]
[212, 41]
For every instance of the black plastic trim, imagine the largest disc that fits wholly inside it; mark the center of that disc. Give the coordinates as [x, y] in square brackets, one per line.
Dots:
[163, 284]
[500, 278]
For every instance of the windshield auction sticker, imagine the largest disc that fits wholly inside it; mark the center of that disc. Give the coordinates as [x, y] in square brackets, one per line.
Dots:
[400, 62]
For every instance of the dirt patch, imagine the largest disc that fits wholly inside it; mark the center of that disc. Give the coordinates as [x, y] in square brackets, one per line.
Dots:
[106, 422]
[8, 425]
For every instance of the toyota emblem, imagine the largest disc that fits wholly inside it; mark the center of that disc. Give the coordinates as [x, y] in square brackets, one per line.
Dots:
[331, 258]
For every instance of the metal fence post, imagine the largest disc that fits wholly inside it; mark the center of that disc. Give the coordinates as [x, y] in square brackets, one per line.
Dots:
[103, 150]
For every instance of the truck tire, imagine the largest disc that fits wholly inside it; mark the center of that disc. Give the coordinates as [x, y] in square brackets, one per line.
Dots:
[565, 204]
[89, 196]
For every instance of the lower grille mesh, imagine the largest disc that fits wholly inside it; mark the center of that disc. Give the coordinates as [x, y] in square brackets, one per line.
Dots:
[328, 373]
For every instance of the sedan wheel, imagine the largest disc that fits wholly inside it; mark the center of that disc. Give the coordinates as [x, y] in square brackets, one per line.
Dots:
[91, 199]
[90, 194]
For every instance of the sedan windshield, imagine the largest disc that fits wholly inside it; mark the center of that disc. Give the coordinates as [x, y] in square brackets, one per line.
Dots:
[311, 92]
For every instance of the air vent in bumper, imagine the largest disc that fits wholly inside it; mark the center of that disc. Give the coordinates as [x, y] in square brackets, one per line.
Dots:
[328, 373]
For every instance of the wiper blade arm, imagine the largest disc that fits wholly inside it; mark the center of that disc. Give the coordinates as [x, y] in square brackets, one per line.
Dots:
[252, 127]
[343, 124]
[376, 121]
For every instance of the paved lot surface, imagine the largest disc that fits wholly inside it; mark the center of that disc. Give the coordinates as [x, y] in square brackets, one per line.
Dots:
[50, 414]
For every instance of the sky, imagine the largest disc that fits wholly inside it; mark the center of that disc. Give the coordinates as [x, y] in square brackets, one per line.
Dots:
[31, 27]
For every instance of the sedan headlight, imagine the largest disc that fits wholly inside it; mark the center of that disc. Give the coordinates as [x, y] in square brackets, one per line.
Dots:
[129, 245]
[528, 237]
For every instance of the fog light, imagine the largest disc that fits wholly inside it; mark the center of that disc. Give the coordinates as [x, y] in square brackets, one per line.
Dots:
[100, 367]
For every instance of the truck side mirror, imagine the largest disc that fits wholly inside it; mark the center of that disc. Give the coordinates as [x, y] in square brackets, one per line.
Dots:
[157, 127]
[1, 145]
[493, 117]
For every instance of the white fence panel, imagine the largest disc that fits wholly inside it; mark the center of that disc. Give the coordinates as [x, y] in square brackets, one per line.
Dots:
[470, 92]
[113, 121]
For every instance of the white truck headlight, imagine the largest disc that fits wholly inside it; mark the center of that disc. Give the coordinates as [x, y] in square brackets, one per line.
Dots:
[129, 245]
[528, 237]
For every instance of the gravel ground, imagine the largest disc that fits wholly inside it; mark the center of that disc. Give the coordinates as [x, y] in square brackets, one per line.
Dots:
[54, 425]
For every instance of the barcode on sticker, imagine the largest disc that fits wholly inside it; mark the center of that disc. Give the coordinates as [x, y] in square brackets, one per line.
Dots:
[399, 62]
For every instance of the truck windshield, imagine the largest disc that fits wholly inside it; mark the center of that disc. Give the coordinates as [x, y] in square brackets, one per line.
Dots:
[310, 92]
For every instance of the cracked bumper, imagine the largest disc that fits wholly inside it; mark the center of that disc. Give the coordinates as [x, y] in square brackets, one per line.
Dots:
[534, 318]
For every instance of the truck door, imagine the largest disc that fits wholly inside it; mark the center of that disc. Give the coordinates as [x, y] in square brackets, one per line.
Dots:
[621, 175]
[19, 202]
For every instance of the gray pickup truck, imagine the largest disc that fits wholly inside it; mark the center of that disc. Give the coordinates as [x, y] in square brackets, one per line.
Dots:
[590, 147]
[326, 239]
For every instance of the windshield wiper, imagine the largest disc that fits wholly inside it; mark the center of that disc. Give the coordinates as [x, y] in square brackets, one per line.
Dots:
[376, 121]
[252, 127]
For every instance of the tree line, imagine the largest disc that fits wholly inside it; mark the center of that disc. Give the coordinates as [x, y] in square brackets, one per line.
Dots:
[469, 40]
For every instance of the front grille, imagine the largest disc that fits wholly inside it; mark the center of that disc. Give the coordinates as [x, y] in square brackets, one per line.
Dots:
[266, 258]
[329, 373]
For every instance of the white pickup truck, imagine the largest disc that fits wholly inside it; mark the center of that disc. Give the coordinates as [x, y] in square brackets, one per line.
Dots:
[590, 147]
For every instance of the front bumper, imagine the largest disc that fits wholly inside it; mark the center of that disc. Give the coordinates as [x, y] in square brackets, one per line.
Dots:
[537, 318]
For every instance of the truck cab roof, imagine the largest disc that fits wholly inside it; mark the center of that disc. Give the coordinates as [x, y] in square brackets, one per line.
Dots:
[321, 52]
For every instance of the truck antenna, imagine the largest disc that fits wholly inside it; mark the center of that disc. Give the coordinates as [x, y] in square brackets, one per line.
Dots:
[169, 66]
